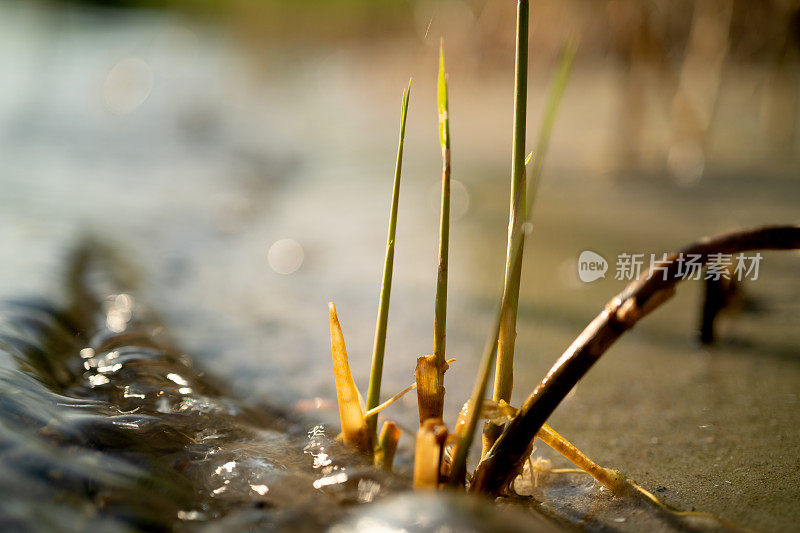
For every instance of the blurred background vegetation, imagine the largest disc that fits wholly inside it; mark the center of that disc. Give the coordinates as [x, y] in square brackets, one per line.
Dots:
[679, 68]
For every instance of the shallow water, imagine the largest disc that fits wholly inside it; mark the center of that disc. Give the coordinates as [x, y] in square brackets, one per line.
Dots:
[103, 424]
[212, 168]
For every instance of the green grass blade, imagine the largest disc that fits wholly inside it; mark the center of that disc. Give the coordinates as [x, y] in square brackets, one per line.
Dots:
[430, 369]
[504, 371]
[458, 468]
[379, 347]
[557, 88]
[440, 316]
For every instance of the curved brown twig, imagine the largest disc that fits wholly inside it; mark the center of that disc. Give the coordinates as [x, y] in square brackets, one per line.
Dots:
[505, 458]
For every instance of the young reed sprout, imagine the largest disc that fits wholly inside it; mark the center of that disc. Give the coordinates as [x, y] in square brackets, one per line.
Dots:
[379, 347]
[431, 368]
[459, 466]
[387, 445]
[505, 345]
[504, 375]
[504, 370]
[354, 427]
[440, 319]
[359, 427]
